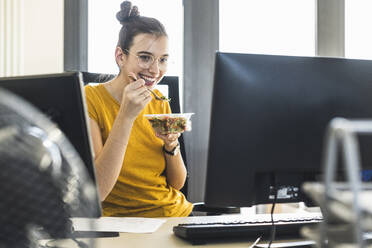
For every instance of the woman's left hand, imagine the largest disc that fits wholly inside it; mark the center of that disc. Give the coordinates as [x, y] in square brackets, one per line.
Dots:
[170, 140]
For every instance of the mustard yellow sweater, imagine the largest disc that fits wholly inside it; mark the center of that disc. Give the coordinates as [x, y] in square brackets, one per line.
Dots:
[141, 189]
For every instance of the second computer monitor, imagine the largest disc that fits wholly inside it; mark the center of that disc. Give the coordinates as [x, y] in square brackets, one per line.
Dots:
[268, 121]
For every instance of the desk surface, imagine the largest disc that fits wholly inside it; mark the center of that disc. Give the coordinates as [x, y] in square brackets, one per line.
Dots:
[163, 237]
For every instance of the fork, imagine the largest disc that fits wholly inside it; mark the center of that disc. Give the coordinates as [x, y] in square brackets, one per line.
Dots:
[162, 98]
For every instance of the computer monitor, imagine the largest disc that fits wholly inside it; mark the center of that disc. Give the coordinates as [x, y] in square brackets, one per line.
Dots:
[268, 122]
[60, 97]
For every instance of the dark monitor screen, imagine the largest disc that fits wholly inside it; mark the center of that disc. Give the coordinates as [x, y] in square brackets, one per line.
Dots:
[268, 121]
[59, 97]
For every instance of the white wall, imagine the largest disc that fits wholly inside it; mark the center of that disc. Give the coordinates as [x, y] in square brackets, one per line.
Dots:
[11, 32]
[43, 36]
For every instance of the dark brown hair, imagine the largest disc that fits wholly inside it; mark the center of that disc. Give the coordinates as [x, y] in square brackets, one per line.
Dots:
[134, 24]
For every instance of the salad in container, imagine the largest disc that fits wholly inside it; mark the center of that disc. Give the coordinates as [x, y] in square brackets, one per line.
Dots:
[170, 123]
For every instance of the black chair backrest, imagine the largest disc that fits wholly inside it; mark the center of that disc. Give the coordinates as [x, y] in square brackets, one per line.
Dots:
[89, 77]
[173, 93]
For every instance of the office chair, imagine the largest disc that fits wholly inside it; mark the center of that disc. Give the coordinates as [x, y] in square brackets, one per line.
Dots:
[173, 93]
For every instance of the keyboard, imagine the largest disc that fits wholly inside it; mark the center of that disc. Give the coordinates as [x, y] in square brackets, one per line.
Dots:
[244, 226]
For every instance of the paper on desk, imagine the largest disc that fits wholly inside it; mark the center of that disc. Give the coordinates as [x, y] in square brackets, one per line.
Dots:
[118, 224]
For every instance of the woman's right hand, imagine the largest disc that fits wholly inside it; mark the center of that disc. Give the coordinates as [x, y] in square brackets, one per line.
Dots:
[135, 97]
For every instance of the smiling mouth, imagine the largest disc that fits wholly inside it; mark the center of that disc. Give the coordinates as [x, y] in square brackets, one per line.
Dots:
[149, 81]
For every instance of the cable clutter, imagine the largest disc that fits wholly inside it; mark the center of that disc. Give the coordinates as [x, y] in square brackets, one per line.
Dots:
[346, 207]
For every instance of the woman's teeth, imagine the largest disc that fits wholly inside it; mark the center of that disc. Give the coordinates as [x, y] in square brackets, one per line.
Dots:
[148, 80]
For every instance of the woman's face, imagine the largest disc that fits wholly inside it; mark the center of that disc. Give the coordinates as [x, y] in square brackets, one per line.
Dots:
[147, 58]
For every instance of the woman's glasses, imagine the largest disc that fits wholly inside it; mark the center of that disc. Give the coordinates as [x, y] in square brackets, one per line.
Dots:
[145, 61]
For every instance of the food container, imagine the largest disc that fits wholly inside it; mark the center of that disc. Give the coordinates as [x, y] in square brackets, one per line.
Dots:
[170, 123]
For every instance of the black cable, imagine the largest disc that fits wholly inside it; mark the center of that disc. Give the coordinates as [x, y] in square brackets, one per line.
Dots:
[273, 227]
[81, 244]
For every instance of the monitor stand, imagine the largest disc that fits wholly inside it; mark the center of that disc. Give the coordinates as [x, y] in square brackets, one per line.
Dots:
[80, 234]
[93, 234]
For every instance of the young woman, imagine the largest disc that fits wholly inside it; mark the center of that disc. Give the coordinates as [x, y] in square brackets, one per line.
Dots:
[139, 172]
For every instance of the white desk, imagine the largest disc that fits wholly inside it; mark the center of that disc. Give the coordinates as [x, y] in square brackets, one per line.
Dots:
[163, 238]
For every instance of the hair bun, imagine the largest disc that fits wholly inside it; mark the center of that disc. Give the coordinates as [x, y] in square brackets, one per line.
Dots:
[127, 12]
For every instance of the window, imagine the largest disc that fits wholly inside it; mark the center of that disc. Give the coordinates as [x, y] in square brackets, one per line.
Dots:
[358, 22]
[104, 29]
[284, 27]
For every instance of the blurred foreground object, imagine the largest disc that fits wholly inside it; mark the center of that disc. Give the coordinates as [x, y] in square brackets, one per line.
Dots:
[345, 206]
[43, 181]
